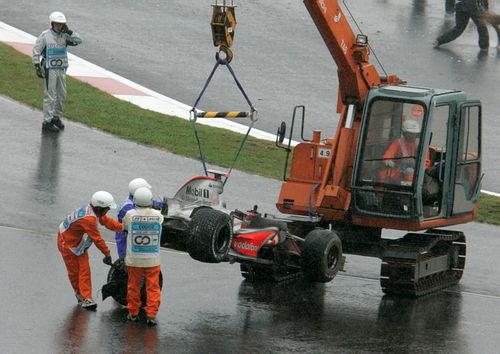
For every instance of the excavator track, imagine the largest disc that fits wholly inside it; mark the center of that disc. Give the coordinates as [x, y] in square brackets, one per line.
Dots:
[419, 264]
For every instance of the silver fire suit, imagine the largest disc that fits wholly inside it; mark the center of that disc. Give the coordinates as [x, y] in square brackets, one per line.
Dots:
[52, 48]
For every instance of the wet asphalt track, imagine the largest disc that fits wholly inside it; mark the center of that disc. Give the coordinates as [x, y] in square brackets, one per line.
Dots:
[280, 57]
[205, 308]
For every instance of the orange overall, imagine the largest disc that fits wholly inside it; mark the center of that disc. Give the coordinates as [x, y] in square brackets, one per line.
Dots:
[153, 291]
[73, 245]
[399, 150]
[143, 259]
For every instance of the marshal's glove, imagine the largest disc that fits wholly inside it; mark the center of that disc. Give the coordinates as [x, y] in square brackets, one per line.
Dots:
[65, 29]
[39, 71]
[389, 163]
[107, 260]
[164, 208]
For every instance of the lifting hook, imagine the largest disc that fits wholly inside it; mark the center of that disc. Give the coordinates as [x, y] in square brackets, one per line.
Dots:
[223, 26]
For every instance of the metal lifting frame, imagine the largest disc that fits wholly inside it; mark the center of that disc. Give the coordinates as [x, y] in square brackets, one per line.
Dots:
[194, 114]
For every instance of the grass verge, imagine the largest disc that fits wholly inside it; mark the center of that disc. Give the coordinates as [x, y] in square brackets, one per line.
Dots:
[489, 209]
[95, 108]
[98, 109]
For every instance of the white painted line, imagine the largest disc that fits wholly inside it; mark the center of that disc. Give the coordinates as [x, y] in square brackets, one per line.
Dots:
[157, 102]
[490, 193]
[486, 296]
[44, 234]
[12, 34]
[157, 105]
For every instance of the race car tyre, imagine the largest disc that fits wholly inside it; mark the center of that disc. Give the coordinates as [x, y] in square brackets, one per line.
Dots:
[321, 258]
[209, 235]
[117, 283]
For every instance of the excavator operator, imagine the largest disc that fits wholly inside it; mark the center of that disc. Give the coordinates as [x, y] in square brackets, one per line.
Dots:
[399, 158]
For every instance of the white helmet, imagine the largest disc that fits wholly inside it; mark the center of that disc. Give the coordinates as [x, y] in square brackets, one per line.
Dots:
[103, 199]
[143, 197]
[411, 126]
[57, 16]
[137, 183]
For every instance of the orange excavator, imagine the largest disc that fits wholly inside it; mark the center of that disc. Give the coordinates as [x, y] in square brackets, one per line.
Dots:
[403, 157]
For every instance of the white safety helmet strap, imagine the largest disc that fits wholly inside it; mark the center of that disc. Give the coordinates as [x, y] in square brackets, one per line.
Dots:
[411, 126]
[103, 199]
[57, 16]
[143, 197]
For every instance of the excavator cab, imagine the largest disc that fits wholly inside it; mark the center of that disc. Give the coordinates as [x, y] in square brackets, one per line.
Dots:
[418, 161]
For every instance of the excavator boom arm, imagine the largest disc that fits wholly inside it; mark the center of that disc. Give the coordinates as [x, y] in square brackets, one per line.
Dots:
[356, 74]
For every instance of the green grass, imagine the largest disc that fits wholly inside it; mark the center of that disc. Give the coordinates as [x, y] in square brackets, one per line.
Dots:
[95, 108]
[489, 209]
[92, 107]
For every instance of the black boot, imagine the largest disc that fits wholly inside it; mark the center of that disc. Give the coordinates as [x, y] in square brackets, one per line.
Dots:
[58, 123]
[48, 126]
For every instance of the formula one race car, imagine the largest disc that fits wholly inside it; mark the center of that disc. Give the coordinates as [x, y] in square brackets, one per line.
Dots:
[196, 220]
[266, 249]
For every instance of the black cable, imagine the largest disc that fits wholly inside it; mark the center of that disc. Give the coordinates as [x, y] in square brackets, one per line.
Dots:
[360, 31]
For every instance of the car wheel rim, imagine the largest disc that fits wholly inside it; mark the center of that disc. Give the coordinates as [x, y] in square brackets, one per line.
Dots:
[332, 257]
[222, 240]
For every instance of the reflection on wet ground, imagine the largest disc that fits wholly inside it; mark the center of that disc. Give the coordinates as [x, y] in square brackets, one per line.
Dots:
[311, 314]
[46, 179]
[73, 336]
[211, 309]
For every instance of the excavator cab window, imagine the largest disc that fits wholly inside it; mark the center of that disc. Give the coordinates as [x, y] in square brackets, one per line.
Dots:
[432, 189]
[418, 159]
[467, 176]
[391, 156]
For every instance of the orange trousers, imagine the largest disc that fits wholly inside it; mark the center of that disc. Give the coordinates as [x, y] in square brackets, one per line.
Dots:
[153, 291]
[78, 270]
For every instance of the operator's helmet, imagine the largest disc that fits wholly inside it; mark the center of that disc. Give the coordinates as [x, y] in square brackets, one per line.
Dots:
[57, 16]
[411, 126]
[417, 111]
[137, 183]
[143, 197]
[102, 199]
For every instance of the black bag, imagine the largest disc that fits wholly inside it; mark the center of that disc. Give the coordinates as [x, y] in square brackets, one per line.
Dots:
[116, 285]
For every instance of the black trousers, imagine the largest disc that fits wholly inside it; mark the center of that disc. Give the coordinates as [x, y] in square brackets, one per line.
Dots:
[449, 6]
[462, 17]
[497, 30]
